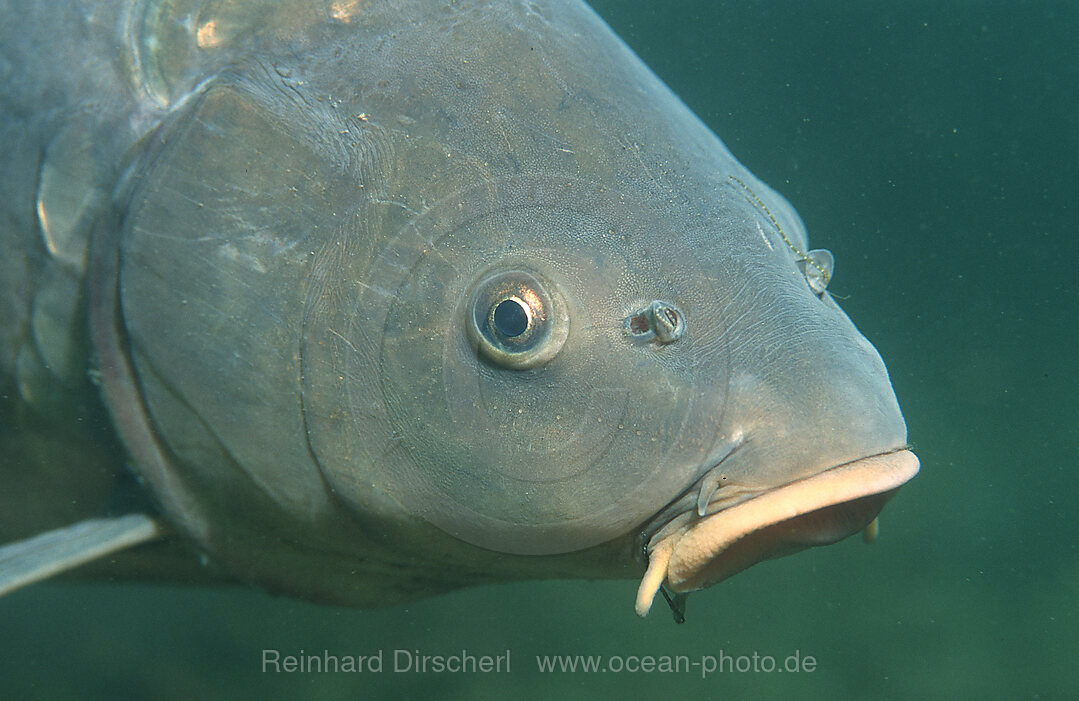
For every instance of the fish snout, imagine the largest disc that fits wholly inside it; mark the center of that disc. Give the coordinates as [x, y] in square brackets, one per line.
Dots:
[694, 552]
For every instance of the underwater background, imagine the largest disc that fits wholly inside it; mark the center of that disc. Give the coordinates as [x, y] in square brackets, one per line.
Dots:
[933, 147]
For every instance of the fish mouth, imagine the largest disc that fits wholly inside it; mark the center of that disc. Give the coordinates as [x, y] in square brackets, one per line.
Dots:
[693, 552]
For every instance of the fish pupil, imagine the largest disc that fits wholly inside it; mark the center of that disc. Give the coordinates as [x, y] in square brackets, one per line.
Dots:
[510, 318]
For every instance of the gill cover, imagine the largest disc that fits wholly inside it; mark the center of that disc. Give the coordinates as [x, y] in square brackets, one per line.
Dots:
[215, 257]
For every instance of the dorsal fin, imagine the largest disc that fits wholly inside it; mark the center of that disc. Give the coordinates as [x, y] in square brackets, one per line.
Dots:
[47, 554]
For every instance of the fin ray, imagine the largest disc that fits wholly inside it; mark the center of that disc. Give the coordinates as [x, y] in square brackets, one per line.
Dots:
[44, 555]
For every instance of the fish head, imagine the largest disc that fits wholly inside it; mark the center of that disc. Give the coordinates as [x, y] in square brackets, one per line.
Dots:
[561, 367]
[486, 274]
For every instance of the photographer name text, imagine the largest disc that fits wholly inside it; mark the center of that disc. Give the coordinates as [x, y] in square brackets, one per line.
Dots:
[397, 661]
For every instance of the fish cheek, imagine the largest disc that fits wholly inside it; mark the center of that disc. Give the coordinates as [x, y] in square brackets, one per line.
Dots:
[405, 409]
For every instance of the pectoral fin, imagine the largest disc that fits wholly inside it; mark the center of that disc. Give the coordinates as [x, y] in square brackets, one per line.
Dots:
[50, 553]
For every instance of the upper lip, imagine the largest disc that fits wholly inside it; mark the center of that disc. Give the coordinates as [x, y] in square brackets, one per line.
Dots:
[685, 552]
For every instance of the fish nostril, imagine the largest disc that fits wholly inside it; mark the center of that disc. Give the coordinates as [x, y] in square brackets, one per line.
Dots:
[670, 324]
[659, 320]
[638, 324]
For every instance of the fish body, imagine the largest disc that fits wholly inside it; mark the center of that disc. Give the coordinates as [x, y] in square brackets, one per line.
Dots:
[380, 299]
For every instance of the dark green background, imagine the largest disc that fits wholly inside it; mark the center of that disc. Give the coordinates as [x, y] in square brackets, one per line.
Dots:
[932, 147]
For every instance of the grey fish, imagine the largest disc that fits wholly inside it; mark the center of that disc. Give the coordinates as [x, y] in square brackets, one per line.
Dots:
[366, 300]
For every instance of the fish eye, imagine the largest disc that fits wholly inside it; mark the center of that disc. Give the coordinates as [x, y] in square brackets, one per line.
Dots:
[517, 319]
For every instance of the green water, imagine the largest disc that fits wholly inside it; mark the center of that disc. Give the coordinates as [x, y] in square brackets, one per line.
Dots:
[933, 148]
